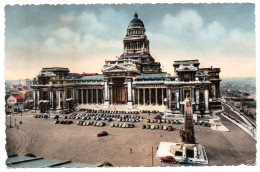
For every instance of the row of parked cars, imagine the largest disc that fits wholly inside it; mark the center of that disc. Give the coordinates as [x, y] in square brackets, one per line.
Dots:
[203, 123]
[104, 117]
[177, 122]
[107, 111]
[97, 124]
[116, 125]
[157, 127]
[130, 119]
[40, 116]
[171, 159]
[148, 111]
[63, 122]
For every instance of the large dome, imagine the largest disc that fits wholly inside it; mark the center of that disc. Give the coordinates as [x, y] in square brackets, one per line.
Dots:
[136, 22]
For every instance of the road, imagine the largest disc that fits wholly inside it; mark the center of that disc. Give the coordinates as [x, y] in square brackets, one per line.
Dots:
[228, 110]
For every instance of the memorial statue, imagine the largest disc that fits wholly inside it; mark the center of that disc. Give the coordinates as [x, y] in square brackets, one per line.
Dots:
[187, 133]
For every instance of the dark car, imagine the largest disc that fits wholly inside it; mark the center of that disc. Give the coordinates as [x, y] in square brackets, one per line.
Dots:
[56, 117]
[102, 133]
[186, 161]
[169, 159]
[157, 117]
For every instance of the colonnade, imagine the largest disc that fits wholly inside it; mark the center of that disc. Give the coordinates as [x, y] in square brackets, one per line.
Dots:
[89, 96]
[150, 96]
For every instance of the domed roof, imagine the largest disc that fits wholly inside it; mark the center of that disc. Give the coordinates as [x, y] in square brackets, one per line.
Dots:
[136, 22]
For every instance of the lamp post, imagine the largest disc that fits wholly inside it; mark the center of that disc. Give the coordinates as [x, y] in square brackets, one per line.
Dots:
[152, 155]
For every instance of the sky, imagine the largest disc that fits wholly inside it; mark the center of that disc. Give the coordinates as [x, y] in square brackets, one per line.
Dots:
[82, 37]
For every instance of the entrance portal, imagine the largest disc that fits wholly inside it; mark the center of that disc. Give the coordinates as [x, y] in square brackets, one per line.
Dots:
[118, 91]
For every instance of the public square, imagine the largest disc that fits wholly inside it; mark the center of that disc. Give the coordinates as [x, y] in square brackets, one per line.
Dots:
[43, 138]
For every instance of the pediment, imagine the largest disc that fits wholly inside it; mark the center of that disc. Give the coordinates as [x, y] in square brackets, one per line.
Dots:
[116, 68]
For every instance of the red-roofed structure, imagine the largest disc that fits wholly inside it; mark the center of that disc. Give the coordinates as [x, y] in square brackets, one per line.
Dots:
[18, 96]
[26, 88]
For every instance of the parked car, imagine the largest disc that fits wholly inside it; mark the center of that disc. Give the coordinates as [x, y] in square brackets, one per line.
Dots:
[186, 161]
[109, 120]
[207, 124]
[57, 122]
[164, 127]
[157, 117]
[102, 133]
[152, 127]
[148, 127]
[169, 159]
[160, 127]
[56, 117]
[169, 128]
[177, 122]
[143, 126]
[131, 125]
[111, 125]
[124, 126]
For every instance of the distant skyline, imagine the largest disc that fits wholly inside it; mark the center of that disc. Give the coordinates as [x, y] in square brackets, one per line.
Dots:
[82, 37]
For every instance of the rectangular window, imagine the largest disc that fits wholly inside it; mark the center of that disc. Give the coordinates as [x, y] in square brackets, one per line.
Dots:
[186, 77]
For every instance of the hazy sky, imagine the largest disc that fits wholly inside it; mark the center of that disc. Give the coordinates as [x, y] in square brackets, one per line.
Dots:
[82, 37]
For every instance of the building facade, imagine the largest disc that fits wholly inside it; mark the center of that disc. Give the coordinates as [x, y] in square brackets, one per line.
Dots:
[134, 79]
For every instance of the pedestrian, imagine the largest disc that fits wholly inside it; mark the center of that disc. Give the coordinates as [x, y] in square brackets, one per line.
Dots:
[130, 150]
[21, 122]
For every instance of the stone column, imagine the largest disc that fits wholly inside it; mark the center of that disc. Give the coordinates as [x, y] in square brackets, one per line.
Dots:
[177, 98]
[64, 98]
[206, 92]
[197, 99]
[181, 99]
[82, 102]
[168, 98]
[192, 94]
[87, 90]
[129, 93]
[138, 96]
[52, 97]
[73, 94]
[76, 96]
[156, 97]
[34, 98]
[96, 96]
[143, 96]
[162, 97]
[58, 99]
[92, 96]
[38, 98]
[150, 96]
[106, 93]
